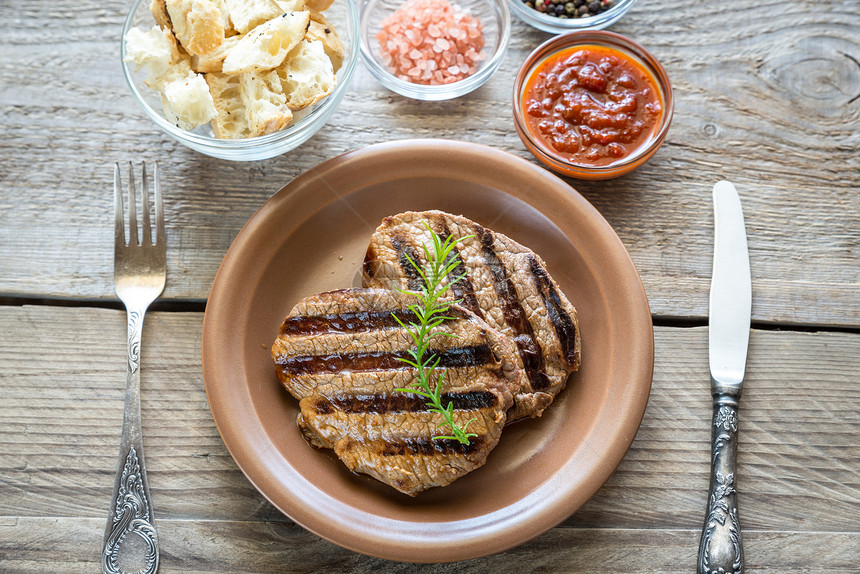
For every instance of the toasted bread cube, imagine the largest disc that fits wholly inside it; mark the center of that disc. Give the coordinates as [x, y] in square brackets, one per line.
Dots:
[213, 61]
[265, 104]
[318, 5]
[178, 70]
[197, 24]
[321, 29]
[187, 102]
[291, 5]
[248, 14]
[229, 29]
[229, 121]
[306, 75]
[266, 46]
[159, 12]
[152, 50]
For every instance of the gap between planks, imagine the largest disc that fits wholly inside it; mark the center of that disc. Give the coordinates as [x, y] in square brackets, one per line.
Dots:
[198, 306]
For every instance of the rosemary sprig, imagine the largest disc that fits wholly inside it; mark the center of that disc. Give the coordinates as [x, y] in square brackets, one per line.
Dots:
[431, 313]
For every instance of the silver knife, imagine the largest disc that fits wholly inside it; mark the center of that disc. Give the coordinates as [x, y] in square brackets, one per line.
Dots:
[721, 550]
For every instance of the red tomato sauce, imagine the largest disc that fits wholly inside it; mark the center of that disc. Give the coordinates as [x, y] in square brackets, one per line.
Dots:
[592, 105]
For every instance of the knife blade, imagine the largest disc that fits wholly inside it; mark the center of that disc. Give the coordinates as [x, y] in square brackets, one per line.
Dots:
[721, 548]
[731, 290]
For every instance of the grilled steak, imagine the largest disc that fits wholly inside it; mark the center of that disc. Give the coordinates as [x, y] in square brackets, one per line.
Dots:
[506, 284]
[338, 352]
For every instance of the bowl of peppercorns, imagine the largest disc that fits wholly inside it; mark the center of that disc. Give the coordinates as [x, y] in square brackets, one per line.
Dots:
[560, 16]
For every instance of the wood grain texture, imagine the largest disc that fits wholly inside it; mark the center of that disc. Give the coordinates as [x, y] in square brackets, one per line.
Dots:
[284, 548]
[766, 96]
[61, 389]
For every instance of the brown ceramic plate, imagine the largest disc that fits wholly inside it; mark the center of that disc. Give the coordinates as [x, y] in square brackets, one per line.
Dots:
[311, 237]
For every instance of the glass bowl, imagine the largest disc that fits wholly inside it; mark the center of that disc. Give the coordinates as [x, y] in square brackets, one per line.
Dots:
[556, 25]
[642, 61]
[495, 18]
[343, 14]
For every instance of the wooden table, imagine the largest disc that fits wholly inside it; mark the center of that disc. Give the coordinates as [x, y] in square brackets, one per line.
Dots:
[767, 95]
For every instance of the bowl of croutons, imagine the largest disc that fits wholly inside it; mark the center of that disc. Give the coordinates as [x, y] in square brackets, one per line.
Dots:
[240, 79]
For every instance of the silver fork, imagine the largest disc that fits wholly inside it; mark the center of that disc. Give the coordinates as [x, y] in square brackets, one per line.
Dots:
[139, 276]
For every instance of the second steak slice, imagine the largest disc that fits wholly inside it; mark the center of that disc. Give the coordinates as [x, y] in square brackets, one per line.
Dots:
[505, 283]
[338, 353]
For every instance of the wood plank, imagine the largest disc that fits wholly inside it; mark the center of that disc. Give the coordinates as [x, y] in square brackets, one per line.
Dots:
[61, 393]
[71, 545]
[766, 96]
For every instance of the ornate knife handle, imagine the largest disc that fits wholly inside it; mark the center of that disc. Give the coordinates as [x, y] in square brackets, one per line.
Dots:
[721, 550]
[131, 511]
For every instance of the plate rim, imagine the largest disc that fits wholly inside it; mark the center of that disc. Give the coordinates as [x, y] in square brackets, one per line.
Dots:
[462, 539]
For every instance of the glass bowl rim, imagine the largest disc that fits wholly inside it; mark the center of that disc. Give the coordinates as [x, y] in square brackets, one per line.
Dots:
[552, 24]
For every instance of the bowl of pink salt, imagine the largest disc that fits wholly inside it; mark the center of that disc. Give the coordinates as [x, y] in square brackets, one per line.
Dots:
[434, 49]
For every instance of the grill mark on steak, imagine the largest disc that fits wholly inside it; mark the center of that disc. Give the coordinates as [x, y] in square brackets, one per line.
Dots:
[426, 446]
[368, 266]
[345, 383]
[400, 403]
[514, 314]
[464, 290]
[405, 252]
[381, 360]
[348, 322]
[561, 322]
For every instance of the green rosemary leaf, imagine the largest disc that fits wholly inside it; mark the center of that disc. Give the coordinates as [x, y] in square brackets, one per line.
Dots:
[409, 362]
[452, 335]
[431, 314]
[414, 392]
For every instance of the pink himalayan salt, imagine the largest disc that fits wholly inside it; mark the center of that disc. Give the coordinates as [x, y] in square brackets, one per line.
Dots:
[431, 42]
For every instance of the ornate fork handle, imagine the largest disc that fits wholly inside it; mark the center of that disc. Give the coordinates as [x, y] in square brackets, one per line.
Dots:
[131, 511]
[721, 549]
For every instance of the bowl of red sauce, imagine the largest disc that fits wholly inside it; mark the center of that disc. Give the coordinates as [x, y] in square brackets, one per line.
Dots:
[592, 105]
[433, 49]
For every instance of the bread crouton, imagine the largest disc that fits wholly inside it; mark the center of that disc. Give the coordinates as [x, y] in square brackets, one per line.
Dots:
[187, 102]
[213, 61]
[152, 50]
[291, 5]
[178, 70]
[265, 104]
[229, 29]
[159, 12]
[266, 46]
[229, 121]
[318, 5]
[197, 24]
[306, 75]
[321, 29]
[248, 14]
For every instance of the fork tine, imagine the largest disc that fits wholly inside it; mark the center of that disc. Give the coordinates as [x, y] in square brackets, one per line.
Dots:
[147, 232]
[159, 212]
[132, 208]
[119, 224]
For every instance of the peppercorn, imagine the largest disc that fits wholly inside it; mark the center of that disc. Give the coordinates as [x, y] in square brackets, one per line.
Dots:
[570, 8]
